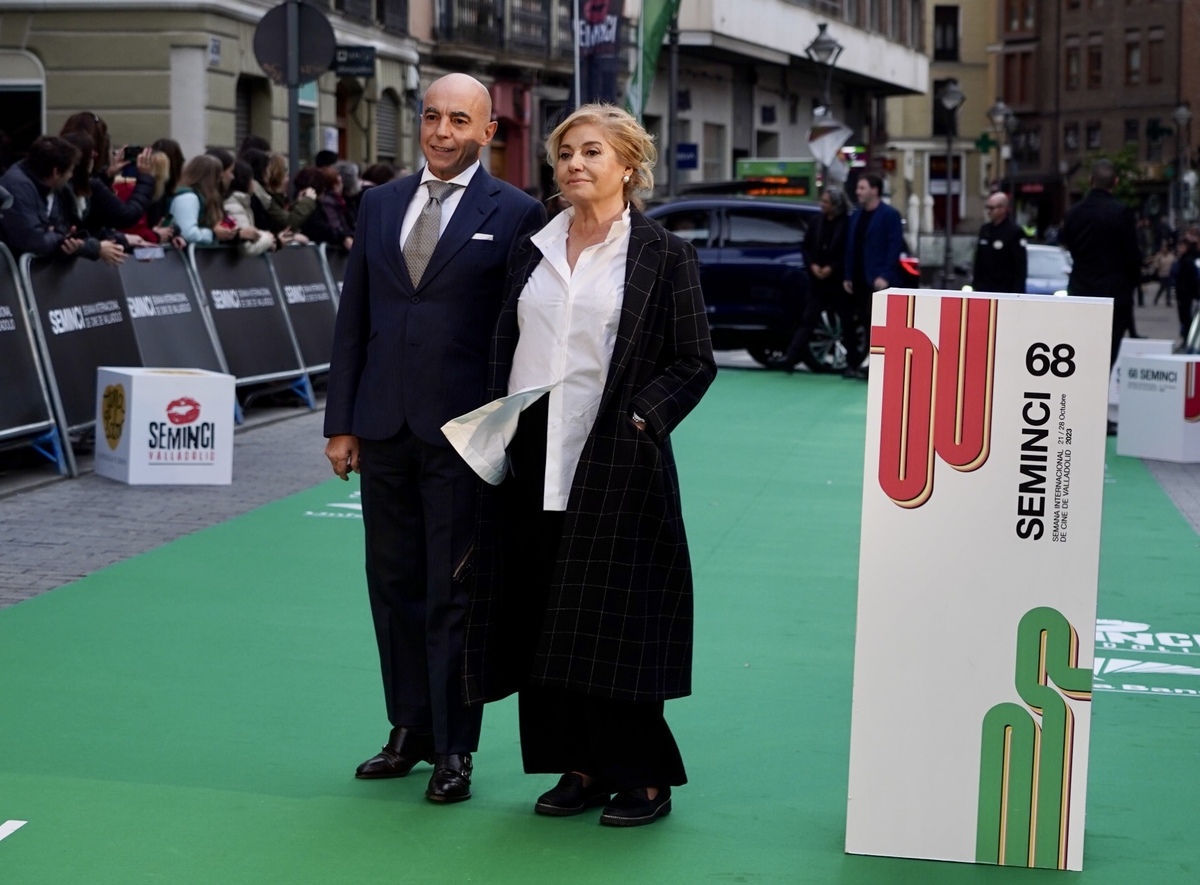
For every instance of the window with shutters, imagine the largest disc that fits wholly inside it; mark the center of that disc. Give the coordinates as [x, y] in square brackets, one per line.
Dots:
[387, 126]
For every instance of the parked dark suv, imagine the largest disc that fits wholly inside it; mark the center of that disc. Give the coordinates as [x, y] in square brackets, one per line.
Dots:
[752, 267]
[754, 274]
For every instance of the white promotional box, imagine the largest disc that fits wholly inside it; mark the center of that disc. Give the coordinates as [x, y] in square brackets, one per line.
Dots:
[164, 426]
[1160, 408]
[1131, 347]
[978, 570]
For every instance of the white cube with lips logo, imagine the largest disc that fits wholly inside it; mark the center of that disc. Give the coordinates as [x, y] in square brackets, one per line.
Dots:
[164, 426]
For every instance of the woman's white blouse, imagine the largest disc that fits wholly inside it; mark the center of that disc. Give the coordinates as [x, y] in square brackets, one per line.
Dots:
[568, 324]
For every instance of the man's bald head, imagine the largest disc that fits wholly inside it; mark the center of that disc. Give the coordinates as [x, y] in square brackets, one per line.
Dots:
[455, 124]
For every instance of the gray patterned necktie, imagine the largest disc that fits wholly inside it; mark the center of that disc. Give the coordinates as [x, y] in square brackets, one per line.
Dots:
[422, 239]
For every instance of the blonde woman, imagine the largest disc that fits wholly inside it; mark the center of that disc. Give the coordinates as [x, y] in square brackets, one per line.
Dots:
[198, 207]
[604, 307]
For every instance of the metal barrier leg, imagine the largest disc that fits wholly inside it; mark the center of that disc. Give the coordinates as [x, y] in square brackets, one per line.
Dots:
[304, 389]
[238, 417]
[50, 446]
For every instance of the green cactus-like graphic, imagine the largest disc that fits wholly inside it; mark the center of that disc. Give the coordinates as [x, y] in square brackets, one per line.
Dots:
[1025, 769]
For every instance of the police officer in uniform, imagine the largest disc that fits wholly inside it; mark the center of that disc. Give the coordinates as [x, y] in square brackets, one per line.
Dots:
[1000, 261]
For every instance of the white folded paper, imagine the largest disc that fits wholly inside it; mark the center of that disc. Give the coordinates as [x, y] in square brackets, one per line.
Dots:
[482, 436]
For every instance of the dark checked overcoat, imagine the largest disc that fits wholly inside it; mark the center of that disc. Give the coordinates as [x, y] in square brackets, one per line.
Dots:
[618, 622]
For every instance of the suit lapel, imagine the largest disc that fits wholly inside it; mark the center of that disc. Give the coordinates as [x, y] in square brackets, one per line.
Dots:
[392, 222]
[643, 268]
[474, 207]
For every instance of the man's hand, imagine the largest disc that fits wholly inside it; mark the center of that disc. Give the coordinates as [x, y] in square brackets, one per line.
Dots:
[342, 452]
[71, 245]
[111, 253]
[848, 286]
[881, 283]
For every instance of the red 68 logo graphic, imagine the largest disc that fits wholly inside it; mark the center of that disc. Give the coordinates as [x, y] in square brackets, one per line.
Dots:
[935, 399]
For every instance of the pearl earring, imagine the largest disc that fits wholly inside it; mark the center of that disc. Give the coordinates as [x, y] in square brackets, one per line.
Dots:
[625, 179]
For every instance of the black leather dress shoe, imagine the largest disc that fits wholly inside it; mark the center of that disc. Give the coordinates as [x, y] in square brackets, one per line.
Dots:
[570, 797]
[451, 781]
[403, 750]
[632, 808]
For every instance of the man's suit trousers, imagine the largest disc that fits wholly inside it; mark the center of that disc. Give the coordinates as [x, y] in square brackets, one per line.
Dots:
[419, 503]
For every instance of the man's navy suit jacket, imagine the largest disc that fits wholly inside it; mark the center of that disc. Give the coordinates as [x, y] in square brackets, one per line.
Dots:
[419, 357]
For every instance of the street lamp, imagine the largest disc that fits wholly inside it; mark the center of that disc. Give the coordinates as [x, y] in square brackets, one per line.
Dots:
[1182, 115]
[824, 50]
[1000, 114]
[951, 98]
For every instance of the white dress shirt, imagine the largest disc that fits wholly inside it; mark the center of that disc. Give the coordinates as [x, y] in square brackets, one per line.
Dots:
[421, 197]
[568, 322]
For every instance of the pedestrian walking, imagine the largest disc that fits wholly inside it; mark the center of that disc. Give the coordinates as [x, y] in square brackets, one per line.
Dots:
[874, 242]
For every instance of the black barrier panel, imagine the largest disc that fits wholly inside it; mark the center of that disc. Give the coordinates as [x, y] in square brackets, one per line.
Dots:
[171, 329]
[308, 301]
[246, 311]
[23, 405]
[80, 306]
[336, 257]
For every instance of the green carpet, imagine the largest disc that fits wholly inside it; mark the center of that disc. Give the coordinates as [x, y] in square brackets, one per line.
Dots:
[194, 715]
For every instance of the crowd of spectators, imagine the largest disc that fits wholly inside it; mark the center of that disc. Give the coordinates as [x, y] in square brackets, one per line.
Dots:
[77, 194]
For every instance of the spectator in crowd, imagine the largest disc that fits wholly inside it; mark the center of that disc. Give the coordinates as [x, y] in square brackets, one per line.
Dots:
[226, 159]
[1101, 234]
[351, 189]
[1001, 264]
[328, 223]
[198, 209]
[270, 197]
[825, 249]
[1187, 279]
[75, 201]
[605, 308]
[874, 243]
[160, 208]
[433, 257]
[1160, 267]
[34, 223]
[123, 187]
[107, 212]
[377, 173]
[238, 209]
[255, 143]
[324, 159]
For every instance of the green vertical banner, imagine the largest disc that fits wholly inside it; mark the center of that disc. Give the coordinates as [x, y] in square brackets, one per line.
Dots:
[656, 19]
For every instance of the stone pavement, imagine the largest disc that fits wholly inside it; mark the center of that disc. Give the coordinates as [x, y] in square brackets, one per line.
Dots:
[54, 531]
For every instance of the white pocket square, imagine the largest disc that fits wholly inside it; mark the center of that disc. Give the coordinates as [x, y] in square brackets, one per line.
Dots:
[482, 237]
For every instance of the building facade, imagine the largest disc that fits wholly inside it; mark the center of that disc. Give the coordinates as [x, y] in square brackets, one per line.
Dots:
[187, 69]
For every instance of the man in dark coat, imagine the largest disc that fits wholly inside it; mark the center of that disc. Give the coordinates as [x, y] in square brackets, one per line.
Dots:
[423, 287]
[1000, 260]
[35, 223]
[874, 241]
[1100, 232]
[1187, 280]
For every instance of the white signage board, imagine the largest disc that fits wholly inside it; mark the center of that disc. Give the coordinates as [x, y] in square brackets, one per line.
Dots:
[1160, 408]
[1133, 347]
[164, 426]
[977, 577]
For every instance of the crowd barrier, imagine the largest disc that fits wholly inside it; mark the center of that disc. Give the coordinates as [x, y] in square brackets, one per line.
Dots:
[263, 319]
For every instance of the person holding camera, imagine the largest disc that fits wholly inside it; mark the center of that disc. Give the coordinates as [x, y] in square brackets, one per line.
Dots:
[107, 212]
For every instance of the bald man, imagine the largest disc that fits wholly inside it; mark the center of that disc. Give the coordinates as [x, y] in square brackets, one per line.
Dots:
[1000, 259]
[422, 291]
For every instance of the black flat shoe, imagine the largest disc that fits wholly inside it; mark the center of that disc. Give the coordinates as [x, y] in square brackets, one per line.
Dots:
[632, 808]
[403, 750]
[570, 797]
[451, 781]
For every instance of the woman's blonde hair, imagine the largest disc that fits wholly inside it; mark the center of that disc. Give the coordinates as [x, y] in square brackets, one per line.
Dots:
[162, 171]
[634, 146]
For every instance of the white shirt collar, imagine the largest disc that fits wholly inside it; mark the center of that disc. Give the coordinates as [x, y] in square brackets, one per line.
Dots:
[556, 231]
[462, 179]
